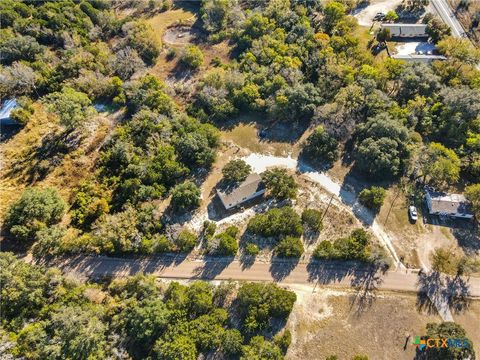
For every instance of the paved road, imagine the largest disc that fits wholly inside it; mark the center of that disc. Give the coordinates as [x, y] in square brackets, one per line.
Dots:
[286, 272]
[446, 13]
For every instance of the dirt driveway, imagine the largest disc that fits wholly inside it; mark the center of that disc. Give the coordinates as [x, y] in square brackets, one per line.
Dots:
[365, 15]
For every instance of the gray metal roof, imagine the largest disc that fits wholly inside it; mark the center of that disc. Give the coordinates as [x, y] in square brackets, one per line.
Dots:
[407, 30]
[426, 58]
[238, 193]
[449, 203]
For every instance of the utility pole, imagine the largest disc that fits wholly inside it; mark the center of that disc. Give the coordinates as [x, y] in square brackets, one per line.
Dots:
[329, 203]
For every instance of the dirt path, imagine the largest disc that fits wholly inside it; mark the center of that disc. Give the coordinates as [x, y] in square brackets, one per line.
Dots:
[365, 15]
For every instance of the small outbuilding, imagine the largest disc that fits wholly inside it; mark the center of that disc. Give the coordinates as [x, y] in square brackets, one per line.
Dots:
[424, 58]
[234, 195]
[406, 30]
[451, 205]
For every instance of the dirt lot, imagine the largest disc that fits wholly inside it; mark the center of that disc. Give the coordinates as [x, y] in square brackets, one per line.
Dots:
[329, 322]
[467, 16]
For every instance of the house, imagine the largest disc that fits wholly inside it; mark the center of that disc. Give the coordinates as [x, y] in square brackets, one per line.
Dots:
[452, 205]
[406, 30]
[235, 195]
[425, 58]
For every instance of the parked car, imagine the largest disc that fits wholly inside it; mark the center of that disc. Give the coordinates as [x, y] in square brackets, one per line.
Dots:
[379, 16]
[412, 212]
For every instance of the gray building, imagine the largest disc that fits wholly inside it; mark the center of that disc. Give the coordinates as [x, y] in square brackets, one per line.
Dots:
[235, 195]
[406, 30]
[424, 58]
[451, 205]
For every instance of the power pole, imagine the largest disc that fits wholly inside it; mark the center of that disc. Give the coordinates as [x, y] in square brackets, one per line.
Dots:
[329, 203]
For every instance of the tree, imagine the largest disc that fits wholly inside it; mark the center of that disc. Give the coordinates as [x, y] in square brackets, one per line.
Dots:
[321, 145]
[180, 348]
[289, 246]
[382, 151]
[450, 330]
[192, 57]
[354, 247]
[472, 193]
[333, 13]
[461, 50]
[20, 48]
[18, 79]
[441, 165]
[436, 28]
[312, 220]
[276, 222]
[72, 107]
[34, 210]
[372, 198]
[252, 249]
[236, 171]
[127, 62]
[391, 16]
[280, 184]
[139, 35]
[260, 349]
[185, 196]
[384, 35]
[232, 341]
[185, 241]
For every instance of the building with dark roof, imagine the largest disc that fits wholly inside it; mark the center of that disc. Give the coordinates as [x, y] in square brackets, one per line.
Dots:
[406, 30]
[451, 205]
[234, 195]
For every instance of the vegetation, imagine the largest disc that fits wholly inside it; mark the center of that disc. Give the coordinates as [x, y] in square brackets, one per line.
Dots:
[50, 316]
[289, 246]
[355, 247]
[236, 171]
[372, 198]
[449, 262]
[472, 193]
[225, 243]
[36, 209]
[280, 184]
[321, 146]
[312, 220]
[446, 330]
[276, 222]
[186, 196]
[192, 57]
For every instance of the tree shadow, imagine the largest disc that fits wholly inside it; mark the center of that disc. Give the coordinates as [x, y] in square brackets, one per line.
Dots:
[366, 284]
[458, 294]
[212, 267]
[429, 287]
[468, 238]
[8, 131]
[280, 268]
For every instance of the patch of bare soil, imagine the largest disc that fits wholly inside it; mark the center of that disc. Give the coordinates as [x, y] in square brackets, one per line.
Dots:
[327, 322]
[182, 35]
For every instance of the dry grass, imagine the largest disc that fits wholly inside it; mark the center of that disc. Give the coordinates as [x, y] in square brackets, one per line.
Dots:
[162, 21]
[19, 159]
[327, 322]
[466, 18]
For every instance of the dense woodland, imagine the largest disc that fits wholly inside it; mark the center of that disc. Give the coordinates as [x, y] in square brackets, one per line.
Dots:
[48, 316]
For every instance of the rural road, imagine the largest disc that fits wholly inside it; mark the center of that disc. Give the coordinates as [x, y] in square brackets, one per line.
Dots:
[447, 15]
[282, 271]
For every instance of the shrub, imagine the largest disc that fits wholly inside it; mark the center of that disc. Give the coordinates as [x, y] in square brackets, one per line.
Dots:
[228, 245]
[192, 57]
[276, 222]
[321, 146]
[185, 196]
[312, 219]
[185, 241]
[354, 247]
[372, 198]
[232, 341]
[34, 210]
[289, 247]
[280, 184]
[252, 249]
[283, 341]
[236, 170]
[209, 228]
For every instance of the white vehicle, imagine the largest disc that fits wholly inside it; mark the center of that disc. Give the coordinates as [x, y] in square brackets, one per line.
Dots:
[412, 212]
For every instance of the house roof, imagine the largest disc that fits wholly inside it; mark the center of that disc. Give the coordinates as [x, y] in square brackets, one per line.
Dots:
[419, 57]
[406, 29]
[449, 203]
[237, 193]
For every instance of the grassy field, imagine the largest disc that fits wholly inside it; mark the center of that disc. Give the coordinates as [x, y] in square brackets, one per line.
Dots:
[162, 21]
[329, 322]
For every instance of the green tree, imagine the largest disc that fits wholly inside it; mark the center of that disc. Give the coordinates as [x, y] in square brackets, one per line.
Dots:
[227, 244]
[333, 13]
[232, 341]
[289, 246]
[321, 146]
[312, 220]
[440, 165]
[260, 349]
[72, 107]
[472, 193]
[391, 16]
[236, 170]
[34, 210]
[185, 241]
[180, 348]
[276, 222]
[139, 35]
[373, 197]
[185, 196]
[252, 249]
[280, 184]
[192, 57]
[451, 330]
